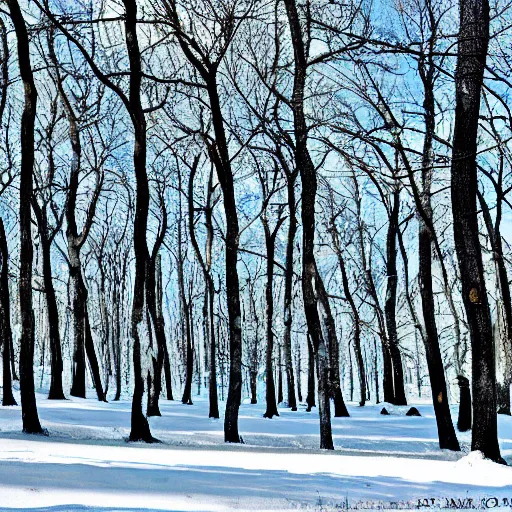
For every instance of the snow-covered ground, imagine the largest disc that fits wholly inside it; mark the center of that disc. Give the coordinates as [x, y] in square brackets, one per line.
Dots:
[380, 462]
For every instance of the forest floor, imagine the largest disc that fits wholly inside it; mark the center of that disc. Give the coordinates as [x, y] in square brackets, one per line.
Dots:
[380, 462]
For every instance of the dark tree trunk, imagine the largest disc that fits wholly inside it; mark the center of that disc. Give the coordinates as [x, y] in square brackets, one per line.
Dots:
[471, 56]
[279, 378]
[117, 335]
[340, 409]
[270, 393]
[5, 320]
[446, 432]
[155, 306]
[254, 359]
[139, 424]
[5, 306]
[288, 294]
[387, 366]
[93, 360]
[351, 374]
[355, 313]
[167, 374]
[253, 384]
[376, 372]
[29, 413]
[390, 304]
[212, 391]
[299, 374]
[464, 422]
[185, 313]
[106, 331]
[503, 323]
[219, 156]
[77, 302]
[56, 389]
[426, 240]
[359, 355]
[221, 160]
[154, 297]
[83, 341]
[310, 275]
[310, 398]
[187, 392]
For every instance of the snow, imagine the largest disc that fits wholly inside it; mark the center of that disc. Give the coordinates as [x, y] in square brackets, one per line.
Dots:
[380, 461]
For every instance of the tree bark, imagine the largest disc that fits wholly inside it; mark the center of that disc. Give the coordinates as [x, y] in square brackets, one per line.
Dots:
[223, 166]
[117, 332]
[387, 365]
[270, 394]
[219, 156]
[56, 390]
[30, 417]
[310, 276]
[310, 398]
[390, 303]
[154, 296]
[503, 323]
[355, 316]
[471, 56]
[139, 424]
[83, 341]
[288, 292]
[299, 374]
[5, 321]
[185, 313]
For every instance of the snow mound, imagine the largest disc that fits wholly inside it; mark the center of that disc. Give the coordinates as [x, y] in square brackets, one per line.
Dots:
[474, 458]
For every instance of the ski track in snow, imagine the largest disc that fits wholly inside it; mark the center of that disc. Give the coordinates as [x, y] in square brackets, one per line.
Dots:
[380, 461]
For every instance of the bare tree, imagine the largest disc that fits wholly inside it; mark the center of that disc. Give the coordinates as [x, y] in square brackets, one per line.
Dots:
[471, 56]
[31, 424]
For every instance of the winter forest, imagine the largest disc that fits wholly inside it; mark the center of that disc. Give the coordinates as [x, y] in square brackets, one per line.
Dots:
[247, 227]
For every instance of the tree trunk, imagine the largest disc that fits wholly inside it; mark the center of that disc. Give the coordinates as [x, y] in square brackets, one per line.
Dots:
[5, 320]
[221, 160]
[387, 366]
[154, 295]
[78, 376]
[390, 304]
[310, 398]
[56, 390]
[117, 335]
[185, 314]
[219, 156]
[270, 394]
[464, 421]
[288, 294]
[340, 409]
[503, 323]
[471, 57]
[212, 391]
[31, 424]
[139, 424]
[426, 239]
[446, 432]
[299, 374]
[355, 313]
[376, 371]
[83, 341]
[279, 377]
[253, 385]
[310, 275]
